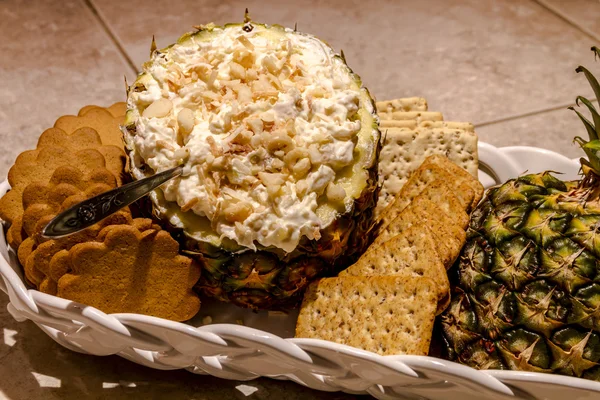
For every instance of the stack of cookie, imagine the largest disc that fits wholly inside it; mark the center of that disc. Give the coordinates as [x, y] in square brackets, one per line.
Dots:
[71, 162]
[79, 157]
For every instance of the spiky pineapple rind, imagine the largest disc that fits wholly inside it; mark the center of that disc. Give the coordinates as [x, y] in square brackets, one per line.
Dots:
[275, 278]
[512, 282]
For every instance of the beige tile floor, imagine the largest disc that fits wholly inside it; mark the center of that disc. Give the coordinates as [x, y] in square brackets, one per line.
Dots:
[506, 65]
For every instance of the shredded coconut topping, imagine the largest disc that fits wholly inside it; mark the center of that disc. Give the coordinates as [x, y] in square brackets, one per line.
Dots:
[263, 123]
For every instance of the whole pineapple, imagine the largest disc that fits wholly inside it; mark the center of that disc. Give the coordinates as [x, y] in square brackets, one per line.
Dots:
[527, 294]
[279, 143]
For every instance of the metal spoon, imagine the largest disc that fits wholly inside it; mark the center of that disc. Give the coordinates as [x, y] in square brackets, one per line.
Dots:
[95, 209]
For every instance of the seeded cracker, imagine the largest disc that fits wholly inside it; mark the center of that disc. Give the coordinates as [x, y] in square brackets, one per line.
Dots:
[412, 253]
[418, 117]
[466, 188]
[405, 150]
[401, 121]
[447, 235]
[405, 104]
[445, 193]
[452, 167]
[384, 314]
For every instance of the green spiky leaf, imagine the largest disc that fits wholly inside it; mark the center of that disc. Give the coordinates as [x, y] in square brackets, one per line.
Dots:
[596, 51]
[592, 150]
[588, 125]
[591, 79]
[595, 115]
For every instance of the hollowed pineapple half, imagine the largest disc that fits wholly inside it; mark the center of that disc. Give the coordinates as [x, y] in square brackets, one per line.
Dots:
[279, 142]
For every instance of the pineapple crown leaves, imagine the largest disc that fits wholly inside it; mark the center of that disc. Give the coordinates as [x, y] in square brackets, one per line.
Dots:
[152, 47]
[591, 147]
[247, 22]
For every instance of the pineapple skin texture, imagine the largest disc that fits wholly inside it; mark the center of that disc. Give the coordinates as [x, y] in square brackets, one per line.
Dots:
[526, 290]
[270, 278]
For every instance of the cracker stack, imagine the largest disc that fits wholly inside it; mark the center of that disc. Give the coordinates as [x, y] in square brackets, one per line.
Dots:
[79, 157]
[412, 133]
[428, 170]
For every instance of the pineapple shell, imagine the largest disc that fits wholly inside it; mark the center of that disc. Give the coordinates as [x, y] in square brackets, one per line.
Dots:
[270, 278]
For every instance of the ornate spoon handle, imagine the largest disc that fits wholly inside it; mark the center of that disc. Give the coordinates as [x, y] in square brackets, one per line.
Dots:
[95, 209]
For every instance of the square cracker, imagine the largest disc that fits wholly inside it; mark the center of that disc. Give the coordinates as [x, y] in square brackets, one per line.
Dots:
[465, 126]
[412, 252]
[449, 237]
[437, 185]
[468, 176]
[404, 150]
[417, 116]
[385, 315]
[388, 121]
[403, 104]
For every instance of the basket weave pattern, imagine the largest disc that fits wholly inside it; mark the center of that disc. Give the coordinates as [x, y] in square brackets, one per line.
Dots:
[237, 352]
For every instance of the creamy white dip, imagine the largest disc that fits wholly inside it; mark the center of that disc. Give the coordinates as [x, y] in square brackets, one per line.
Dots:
[263, 123]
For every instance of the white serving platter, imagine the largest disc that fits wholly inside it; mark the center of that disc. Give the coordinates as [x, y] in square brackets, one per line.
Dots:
[263, 345]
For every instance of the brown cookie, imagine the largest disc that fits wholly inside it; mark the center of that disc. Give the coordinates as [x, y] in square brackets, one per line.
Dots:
[38, 166]
[106, 124]
[116, 110]
[59, 265]
[133, 272]
[48, 286]
[37, 263]
[67, 186]
[144, 224]
[86, 138]
[15, 234]
[24, 251]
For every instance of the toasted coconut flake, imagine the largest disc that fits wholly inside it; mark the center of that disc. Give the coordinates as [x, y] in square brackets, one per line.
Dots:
[210, 95]
[251, 74]
[244, 40]
[270, 63]
[212, 78]
[161, 144]
[190, 204]
[159, 109]
[237, 211]
[214, 148]
[275, 81]
[262, 94]
[260, 137]
[237, 71]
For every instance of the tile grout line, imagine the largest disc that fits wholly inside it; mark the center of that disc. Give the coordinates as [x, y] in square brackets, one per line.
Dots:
[568, 19]
[558, 13]
[527, 114]
[113, 37]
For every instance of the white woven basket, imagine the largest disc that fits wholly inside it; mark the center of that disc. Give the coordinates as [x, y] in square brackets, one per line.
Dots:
[243, 352]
